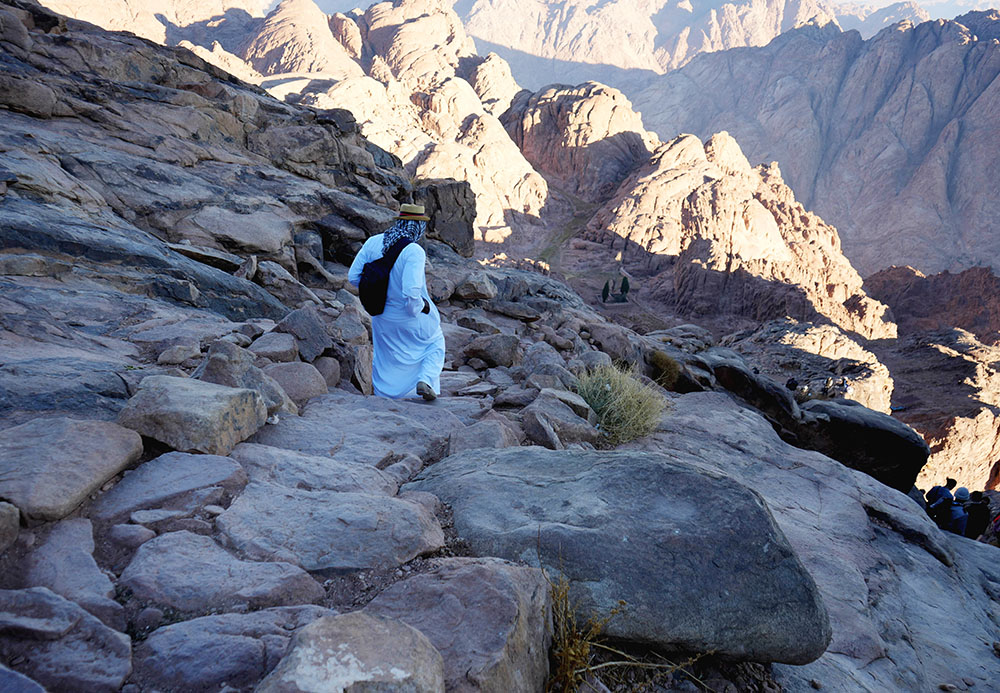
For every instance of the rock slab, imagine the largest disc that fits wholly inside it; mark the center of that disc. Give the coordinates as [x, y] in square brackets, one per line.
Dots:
[324, 530]
[631, 526]
[49, 466]
[192, 573]
[210, 652]
[358, 652]
[65, 564]
[60, 645]
[194, 416]
[174, 481]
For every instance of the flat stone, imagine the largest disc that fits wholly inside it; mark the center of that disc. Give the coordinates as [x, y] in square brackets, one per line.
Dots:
[483, 434]
[358, 652]
[611, 521]
[295, 470]
[194, 416]
[453, 381]
[10, 525]
[49, 466]
[65, 564]
[212, 652]
[277, 346]
[130, 536]
[300, 380]
[191, 573]
[175, 481]
[59, 645]
[489, 619]
[178, 354]
[572, 400]
[481, 389]
[367, 430]
[229, 365]
[327, 530]
[515, 397]
[309, 331]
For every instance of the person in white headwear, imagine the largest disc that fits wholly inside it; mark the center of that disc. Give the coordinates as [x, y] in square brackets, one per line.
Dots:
[407, 338]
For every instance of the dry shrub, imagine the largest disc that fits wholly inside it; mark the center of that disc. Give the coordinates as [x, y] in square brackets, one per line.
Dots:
[667, 369]
[579, 652]
[626, 408]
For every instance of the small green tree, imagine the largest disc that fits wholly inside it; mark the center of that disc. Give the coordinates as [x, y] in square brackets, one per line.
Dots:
[606, 291]
[624, 291]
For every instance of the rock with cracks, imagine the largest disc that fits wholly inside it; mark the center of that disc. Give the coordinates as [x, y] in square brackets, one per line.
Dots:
[635, 526]
[489, 619]
[192, 573]
[49, 466]
[358, 652]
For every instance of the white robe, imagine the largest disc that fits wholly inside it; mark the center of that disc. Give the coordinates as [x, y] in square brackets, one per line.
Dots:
[408, 344]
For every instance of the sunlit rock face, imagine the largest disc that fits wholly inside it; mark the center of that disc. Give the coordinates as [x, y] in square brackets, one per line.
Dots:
[892, 140]
[712, 235]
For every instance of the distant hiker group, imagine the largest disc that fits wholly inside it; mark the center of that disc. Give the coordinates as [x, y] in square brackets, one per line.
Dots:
[958, 511]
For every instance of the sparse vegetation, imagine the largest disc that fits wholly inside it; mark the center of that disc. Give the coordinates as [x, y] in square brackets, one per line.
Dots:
[579, 652]
[667, 369]
[626, 408]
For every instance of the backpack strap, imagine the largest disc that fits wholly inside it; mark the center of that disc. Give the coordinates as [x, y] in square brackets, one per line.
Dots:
[392, 254]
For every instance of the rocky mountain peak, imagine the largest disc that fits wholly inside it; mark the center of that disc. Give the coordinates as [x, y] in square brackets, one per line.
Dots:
[297, 37]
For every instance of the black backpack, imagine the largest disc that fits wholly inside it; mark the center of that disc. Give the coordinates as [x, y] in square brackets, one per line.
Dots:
[375, 278]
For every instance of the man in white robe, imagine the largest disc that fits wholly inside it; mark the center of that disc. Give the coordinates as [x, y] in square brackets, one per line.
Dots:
[407, 338]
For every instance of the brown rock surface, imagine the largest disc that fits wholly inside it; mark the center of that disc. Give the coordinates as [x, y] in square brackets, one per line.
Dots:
[586, 139]
[891, 140]
[296, 37]
[704, 234]
[921, 303]
[947, 387]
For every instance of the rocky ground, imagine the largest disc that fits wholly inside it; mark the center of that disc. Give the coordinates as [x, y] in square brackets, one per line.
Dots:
[200, 494]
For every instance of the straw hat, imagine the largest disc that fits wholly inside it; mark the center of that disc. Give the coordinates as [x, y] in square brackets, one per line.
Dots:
[412, 213]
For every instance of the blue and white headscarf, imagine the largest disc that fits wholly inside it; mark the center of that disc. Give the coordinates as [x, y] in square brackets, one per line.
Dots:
[403, 228]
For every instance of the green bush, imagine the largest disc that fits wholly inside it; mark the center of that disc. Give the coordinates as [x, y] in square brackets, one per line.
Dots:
[626, 408]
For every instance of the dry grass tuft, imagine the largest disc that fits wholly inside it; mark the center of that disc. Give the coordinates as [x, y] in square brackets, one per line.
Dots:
[667, 369]
[579, 653]
[626, 408]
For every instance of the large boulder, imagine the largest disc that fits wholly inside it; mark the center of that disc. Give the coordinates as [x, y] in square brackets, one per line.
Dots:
[194, 416]
[451, 205]
[59, 645]
[355, 653]
[229, 365]
[867, 440]
[489, 619]
[329, 530]
[211, 652]
[309, 331]
[13, 682]
[49, 466]
[65, 564]
[174, 481]
[634, 526]
[191, 573]
[884, 570]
